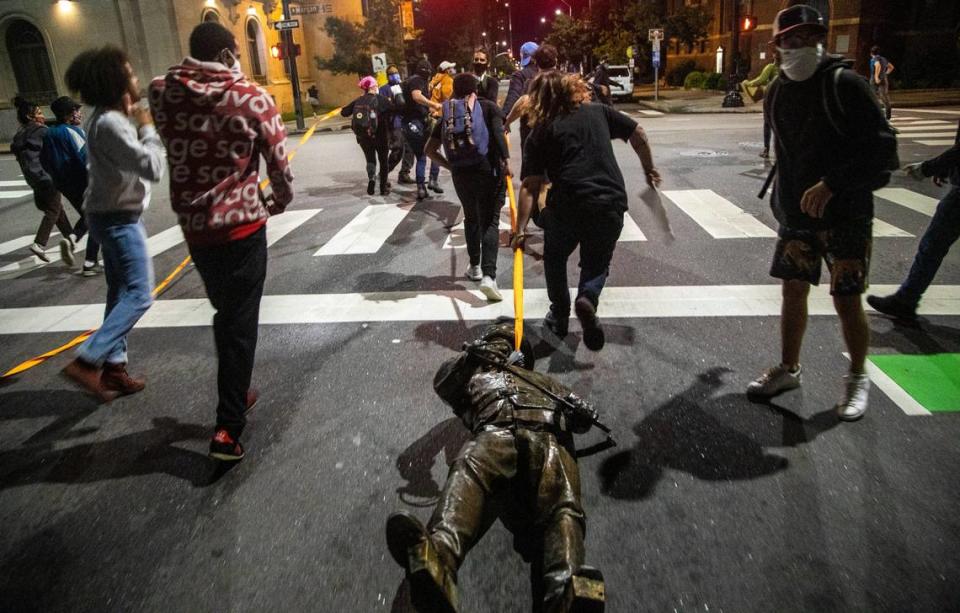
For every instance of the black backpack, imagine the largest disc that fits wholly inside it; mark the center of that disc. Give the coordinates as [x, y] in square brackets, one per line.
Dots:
[833, 108]
[365, 120]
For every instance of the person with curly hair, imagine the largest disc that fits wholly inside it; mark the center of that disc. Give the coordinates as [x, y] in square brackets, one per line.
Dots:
[570, 142]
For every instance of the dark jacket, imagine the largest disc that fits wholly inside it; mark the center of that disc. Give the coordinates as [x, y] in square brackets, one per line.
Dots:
[850, 147]
[493, 118]
[519, 83]
[488, 87]
[64, 158]
[947, 164]
[381, 105]
[26, 146]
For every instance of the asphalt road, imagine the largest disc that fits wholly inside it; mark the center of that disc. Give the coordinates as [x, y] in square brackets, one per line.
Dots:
[709, 503]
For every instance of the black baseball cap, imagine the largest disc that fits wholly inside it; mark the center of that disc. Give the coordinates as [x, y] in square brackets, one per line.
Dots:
[797, 16]
[63, 106]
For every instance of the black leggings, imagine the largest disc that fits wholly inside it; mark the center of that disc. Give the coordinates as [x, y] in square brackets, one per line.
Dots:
[376, 150]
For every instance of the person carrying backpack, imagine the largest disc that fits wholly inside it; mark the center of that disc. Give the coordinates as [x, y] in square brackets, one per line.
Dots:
[833, 148]
[416, 108]
[475, 152]
[441, 90]
[369, 122]
[880, 67]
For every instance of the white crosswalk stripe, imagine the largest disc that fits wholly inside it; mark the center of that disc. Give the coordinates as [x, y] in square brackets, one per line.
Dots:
[939, 127]
[909, 198]
[463, 305]
[17, 183]
[650, 113]
[946, 142]
[13, 195]
[368, 231]
[717, 215]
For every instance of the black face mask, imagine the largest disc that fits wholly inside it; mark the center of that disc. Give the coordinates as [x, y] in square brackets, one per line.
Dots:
[479, 68]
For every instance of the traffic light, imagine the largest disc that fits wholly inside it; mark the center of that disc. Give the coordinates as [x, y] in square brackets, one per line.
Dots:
[748, 23]
[278, 52]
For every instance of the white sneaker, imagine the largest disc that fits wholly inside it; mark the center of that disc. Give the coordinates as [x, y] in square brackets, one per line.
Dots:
[774, 381]
[39, 251]
[67, 245]
[854, 402]
[474, 273]
[488, 285]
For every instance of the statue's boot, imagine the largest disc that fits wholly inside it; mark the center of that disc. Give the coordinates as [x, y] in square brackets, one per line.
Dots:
[588, 591]
[433, 585]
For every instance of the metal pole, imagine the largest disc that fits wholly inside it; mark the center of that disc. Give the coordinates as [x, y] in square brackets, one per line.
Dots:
[287, 36]
[510, 27]
[656, 82]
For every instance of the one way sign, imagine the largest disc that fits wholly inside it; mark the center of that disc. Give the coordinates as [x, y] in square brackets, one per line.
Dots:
[288, 24]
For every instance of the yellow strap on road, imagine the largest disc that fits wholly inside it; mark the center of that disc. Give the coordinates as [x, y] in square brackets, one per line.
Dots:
[517, 266]
[159, 289]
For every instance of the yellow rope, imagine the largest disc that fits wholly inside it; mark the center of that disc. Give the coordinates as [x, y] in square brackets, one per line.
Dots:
[517, 266]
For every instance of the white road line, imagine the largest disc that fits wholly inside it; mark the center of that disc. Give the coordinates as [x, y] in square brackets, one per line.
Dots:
[15, 194]
[717, 215]
[888, 386]
[936, 135]
[456, 239]
[937, 143]
[882, 229]
[650, 113]
[463, 305]
[368, 231]
[631, 231]
[939, 112]
[17, 243]
[909, 198]
[945, 128]
[921, 122]
[281, 225]
[31, 263]
[164, 241]
[13, 184]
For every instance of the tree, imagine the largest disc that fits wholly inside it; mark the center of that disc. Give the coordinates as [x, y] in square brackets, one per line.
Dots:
[688, 25]
[353, 43]
[573, 38]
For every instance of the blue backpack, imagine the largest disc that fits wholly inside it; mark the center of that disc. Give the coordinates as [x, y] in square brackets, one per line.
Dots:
[466, 139]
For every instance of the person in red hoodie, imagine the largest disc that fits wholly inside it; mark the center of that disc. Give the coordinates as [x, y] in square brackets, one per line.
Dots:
[216, 124]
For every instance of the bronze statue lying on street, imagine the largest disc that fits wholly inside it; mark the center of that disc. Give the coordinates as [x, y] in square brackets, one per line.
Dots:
[520, 465]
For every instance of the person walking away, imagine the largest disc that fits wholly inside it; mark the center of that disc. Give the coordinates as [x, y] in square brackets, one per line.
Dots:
[313, 98]
[488, 86]
[936, 242]
[475, 152]
[26, 147]
[64, 158]
[833, 149]
[755, 89]
[880, 68]
[571, 143]
[123, 159]
[369, 115]
[214, 178]
[415, 112]
[441, 90]
[399, 151]
[519, 84]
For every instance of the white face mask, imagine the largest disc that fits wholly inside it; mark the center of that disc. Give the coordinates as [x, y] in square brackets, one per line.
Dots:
[800, 64]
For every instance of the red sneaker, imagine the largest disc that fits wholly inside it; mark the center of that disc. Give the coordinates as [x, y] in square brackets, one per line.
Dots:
[116, 378]
[224, 447]
[87, 376]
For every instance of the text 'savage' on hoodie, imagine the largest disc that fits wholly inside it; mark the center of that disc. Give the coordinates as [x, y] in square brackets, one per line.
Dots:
[216, 124]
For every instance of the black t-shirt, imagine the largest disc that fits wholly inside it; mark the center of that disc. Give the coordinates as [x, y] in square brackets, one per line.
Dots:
[412, 110]
[575, 152]
[377, 103]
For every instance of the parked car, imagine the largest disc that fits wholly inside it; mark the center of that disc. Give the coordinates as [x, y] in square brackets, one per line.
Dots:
[622, 81]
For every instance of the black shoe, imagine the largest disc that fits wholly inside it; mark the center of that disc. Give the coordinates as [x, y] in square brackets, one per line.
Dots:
[384, 189]
[593, 336]
[434, 186]
[405, 179]
[224, 447]
[421, 191]
[556, 325]
[371, 186]
[893, 306]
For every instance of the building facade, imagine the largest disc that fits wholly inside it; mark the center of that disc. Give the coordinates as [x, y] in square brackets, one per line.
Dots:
[41, 37]
[917, 36]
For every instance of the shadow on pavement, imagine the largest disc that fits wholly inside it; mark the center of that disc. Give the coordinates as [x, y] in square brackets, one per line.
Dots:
[138, 453]
[712, 438]
[416, 461]
[917, 337]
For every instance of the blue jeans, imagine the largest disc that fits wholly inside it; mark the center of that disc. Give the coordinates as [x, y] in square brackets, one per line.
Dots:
[129, 273]
[941, 234]
[415, 131]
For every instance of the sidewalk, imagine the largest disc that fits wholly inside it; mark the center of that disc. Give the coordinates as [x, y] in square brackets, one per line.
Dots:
[334, 124]
[679, 100]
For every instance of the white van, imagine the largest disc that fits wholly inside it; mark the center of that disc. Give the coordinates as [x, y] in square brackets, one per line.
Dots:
[622, 81]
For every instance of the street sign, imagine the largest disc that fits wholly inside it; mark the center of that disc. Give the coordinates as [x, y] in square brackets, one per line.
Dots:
[656, 58]
[656, 45]
[310, 9]
[655, 34]
[632, 62]
[379, 62]
[288, 24]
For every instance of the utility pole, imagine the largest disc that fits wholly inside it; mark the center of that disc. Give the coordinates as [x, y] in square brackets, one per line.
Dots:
[287, 36]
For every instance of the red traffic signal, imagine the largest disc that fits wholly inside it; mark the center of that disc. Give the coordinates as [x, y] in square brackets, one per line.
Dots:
[278, 52]
[748, 23]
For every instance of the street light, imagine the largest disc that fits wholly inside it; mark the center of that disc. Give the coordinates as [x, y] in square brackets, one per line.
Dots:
[543, 20]
[558, 12]
[569, 8]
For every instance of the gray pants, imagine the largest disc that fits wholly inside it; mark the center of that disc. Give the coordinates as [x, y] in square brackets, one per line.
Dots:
[883, 95]
[47, 199]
